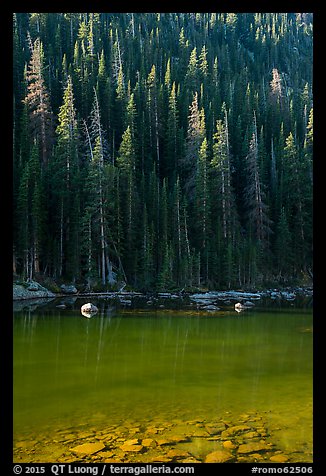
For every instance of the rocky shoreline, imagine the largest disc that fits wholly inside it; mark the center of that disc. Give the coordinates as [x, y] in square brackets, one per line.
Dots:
[210, 301]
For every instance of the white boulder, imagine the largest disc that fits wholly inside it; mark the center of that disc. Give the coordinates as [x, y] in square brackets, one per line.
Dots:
[88, 309]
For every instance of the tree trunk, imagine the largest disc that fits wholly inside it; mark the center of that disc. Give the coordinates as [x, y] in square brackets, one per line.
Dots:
[102, 238]
[157, 139]
[61, 240]
[36, 256]
[14, 263]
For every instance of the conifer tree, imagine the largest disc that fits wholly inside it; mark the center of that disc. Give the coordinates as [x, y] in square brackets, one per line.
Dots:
[146, 264]
[297, 197]
[172, 133]
[30, 214]
[97, 152]
[283, 248]
[191, 78]
[202, 206]
[153, 118]
[38, 102]
[126, 162]
[65, 170]
[259, 222]
[195, 136]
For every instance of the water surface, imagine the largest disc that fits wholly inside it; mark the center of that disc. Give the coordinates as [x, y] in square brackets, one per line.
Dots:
[132, 366]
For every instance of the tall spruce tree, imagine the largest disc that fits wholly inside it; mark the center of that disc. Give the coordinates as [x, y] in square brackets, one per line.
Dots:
[65, 171]
[38, 102]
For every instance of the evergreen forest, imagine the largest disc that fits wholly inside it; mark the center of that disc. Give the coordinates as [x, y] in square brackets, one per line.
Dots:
[166, 151]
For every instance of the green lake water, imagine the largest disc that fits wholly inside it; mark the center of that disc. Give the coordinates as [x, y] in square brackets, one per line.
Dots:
[135, 366]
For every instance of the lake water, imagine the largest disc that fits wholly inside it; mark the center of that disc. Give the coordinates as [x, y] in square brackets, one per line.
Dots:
[124, 369]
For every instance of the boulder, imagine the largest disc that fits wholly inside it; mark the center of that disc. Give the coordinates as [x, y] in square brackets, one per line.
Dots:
[30, 291]
[88, 309]
[239, 306]
[68, 289]
[33, 286]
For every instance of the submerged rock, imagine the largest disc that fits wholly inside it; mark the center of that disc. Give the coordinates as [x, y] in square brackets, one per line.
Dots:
[234, 430]
[134, 441]
[279, 458]
[219, 456]
[253, 448]
[148, 442]
[88, 448]
[132, 448]
[229, 445]
[177, 454]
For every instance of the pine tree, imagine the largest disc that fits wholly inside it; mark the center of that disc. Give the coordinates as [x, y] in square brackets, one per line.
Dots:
[146, 265]
[172, 133]
[38, 102]
[258, 220]
[126, 162]
[202, 206]
[221, 169]
[30, 215]
[283, 248]
[195, 136]
[65, 170]
[126, 156]
[23, 226]
[308, 145]
[165, 278]
[224, 212]
[191, 78]
[97, 150]
[203, 63]
[167, 77]
[153, 118]
[297, 197]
